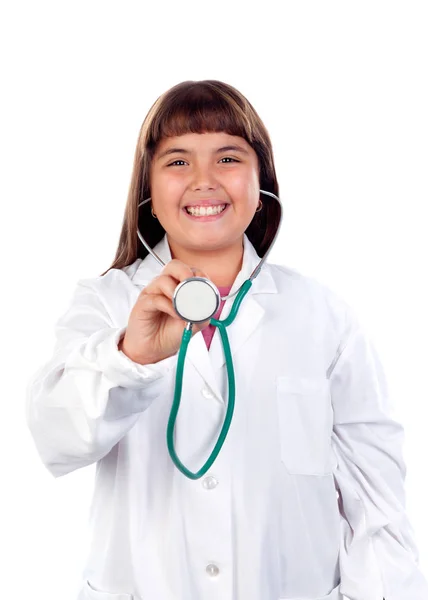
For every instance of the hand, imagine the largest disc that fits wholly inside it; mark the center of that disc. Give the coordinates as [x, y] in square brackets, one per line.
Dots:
[154, 329]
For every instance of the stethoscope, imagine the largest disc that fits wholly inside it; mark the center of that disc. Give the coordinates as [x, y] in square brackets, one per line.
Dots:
[195, 300]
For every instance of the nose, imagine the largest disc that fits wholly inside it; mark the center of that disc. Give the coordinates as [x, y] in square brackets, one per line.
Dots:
[203, 179]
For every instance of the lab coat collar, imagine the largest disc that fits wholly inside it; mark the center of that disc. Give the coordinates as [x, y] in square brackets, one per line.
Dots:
[264, 282]
[248, 319]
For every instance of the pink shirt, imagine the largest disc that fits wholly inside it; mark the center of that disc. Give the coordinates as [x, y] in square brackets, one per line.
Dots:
[208, 332]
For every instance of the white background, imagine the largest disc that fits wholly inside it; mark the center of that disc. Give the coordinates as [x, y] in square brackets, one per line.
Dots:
[342, 88]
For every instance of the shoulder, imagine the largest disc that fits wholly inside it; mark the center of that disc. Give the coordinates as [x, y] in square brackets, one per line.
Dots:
[288, 278]
[113, 276]
[116, 287]
[111, 295]
[312, 292]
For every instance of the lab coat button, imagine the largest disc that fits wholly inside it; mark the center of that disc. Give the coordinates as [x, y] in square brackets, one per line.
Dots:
[210, 483]
[212, 570]
[207, 393]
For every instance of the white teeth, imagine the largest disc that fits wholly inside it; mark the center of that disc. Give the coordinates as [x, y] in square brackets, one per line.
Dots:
[203, 211]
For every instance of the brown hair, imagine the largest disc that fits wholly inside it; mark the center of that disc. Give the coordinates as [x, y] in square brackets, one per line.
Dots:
[196, 107]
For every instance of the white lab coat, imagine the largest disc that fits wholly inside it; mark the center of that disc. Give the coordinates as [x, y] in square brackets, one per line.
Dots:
[306, 499]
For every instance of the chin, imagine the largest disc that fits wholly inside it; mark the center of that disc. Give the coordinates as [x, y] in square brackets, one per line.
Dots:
[216, 243]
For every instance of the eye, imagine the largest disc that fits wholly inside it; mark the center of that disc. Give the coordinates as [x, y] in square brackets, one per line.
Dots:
[230, 158]
[179, 160]
[176, 161]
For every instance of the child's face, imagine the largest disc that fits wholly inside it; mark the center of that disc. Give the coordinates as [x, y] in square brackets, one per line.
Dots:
[199, 172]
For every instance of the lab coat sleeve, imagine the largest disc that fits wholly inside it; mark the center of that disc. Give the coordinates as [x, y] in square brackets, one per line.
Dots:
[88, 396]
[378, 554]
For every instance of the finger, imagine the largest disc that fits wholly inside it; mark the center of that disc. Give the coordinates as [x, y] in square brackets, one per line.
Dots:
[181, 271]
[163, 284]
[153, 303]
[198, 272]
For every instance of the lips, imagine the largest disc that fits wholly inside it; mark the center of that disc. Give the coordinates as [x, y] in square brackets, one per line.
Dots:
[208, 213]
[205, 210]
[205, 203]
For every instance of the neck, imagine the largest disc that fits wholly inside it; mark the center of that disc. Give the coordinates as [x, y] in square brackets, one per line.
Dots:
[221, 265]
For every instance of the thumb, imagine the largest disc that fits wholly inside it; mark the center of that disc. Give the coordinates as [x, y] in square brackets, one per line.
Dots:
[199, 326]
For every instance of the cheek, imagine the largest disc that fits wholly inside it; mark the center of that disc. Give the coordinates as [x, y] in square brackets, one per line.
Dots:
[246, 189]
[167, 190]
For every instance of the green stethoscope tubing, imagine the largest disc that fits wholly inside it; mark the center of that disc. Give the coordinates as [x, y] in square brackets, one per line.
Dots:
[187, 334]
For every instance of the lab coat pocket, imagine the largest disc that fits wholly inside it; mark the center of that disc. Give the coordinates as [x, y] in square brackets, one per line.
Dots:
[91, 593]
[305, 419]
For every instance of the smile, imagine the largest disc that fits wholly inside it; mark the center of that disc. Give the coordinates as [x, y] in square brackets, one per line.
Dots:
[205, 211]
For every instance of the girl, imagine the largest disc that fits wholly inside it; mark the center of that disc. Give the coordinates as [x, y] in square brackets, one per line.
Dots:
[306, 498]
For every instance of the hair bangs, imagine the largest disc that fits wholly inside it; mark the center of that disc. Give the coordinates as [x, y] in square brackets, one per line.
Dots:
[198, 109]
[207, 106]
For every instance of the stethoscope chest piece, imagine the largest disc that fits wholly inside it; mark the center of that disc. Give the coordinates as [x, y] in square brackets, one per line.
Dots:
[196, 299]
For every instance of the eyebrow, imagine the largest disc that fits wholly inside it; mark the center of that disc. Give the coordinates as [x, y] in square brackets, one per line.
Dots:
[218, 151]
